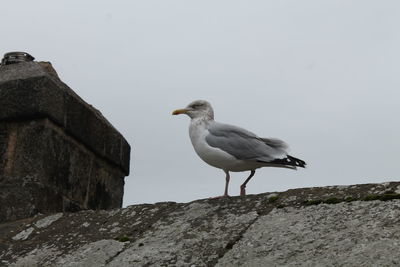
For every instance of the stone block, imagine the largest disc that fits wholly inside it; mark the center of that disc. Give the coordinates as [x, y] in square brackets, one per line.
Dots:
[57, 153]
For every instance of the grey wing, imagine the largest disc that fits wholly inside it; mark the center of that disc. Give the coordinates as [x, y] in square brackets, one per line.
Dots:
[243, 144]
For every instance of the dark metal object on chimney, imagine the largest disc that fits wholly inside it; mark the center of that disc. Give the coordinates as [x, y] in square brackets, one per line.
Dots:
[16, 57]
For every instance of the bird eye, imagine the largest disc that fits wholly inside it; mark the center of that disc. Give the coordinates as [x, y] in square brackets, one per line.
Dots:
[197, 105]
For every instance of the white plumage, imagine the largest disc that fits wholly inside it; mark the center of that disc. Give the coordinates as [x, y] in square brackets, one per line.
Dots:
[232, 148]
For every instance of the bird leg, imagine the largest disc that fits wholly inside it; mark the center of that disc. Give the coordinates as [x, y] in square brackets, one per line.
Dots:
[227, 178]
[243, 186]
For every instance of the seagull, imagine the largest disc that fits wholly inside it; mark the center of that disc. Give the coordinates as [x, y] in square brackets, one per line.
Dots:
[231, 148]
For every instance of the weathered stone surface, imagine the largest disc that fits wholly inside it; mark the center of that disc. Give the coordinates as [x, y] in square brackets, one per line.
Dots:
[350, 234]
[32, 90]
[57, 153]
[45, 170]
[292, 228]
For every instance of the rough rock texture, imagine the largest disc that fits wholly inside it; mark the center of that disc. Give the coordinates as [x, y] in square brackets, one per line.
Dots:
[330, 226]
[57, 153]
[32, 90]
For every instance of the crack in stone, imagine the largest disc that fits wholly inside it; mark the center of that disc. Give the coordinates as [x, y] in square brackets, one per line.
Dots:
[116, 255]
[239, 236]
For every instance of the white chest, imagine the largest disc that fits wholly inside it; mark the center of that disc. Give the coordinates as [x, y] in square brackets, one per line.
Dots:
[211, 155]
[198, 132]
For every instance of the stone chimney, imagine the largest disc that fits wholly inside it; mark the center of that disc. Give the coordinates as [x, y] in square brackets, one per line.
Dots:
[57, 153]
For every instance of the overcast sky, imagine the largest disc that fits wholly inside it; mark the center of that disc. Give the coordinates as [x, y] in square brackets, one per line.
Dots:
[321, 75]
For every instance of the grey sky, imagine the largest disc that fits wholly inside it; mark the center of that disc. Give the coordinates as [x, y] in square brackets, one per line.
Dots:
[321, 75]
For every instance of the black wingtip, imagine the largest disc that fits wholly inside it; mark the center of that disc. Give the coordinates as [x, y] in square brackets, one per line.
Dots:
[297, 162]
[290, 161]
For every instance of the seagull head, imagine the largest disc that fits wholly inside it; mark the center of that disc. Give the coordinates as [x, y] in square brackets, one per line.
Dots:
[197, 109]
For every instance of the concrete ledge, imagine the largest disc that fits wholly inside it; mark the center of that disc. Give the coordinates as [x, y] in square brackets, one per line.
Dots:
[355, 225]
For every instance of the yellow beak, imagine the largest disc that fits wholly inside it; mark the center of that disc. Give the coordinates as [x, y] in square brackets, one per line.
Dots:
[179, 111]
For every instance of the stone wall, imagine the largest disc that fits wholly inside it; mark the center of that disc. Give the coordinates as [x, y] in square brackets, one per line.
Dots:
[57, 153]
[354, 225]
